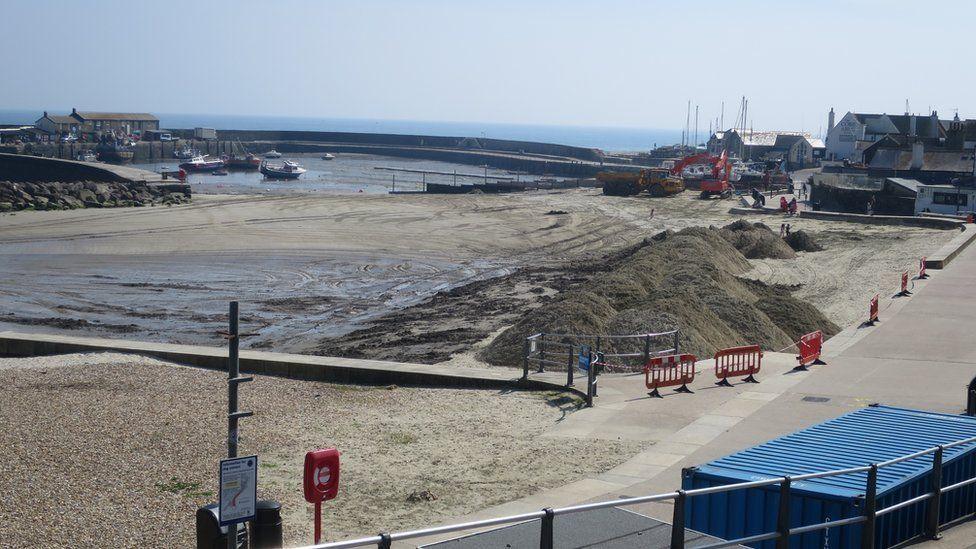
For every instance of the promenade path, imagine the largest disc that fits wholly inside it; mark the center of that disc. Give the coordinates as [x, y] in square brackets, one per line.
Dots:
[921, 355]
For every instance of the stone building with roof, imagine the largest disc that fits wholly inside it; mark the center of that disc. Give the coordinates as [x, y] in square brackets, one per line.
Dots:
[96, 124]
[798, 149]
[58, 124]
[126, 123]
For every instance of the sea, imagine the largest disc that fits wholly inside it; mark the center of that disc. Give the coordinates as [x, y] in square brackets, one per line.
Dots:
[612, 139]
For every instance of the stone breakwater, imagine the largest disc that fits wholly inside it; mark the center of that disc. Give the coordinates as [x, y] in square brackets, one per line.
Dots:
[87, 194]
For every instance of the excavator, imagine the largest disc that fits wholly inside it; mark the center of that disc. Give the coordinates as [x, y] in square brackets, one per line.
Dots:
[715, 184]
[664, 182]
[656, 181]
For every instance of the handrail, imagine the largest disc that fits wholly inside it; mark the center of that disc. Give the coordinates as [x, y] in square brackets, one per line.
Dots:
[680, 496]
[629, 336]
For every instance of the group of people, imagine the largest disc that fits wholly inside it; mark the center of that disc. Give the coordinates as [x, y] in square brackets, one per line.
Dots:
[790, 206]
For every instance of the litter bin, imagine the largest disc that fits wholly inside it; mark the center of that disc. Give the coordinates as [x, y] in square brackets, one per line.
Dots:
[210, 534]
[266, 526]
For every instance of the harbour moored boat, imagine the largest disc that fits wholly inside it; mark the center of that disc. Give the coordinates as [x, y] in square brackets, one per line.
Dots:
[202, 164]
[285, 170]
[328, 156]
[272, 154]
[242, 162]
[186, 153]
[86, 156]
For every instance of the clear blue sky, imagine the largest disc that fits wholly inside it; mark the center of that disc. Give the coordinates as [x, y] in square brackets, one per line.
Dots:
[599, 63]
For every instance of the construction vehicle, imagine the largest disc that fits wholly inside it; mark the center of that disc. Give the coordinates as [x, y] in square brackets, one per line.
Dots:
[715, 183]
[656, 181]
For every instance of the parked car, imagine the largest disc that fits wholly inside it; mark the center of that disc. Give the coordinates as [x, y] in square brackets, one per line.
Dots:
[70, 138]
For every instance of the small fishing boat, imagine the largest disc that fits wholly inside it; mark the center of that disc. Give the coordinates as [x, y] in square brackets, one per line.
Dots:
[285, 170]
[186, 153]
[202, 164]
[272, 154]
[86, 156]
[328, 156]
[242, 162]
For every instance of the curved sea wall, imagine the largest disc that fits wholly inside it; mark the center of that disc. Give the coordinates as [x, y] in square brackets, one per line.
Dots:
[33, 169]
[397, 140]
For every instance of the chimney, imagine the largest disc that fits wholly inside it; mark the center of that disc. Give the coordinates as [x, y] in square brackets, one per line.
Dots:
[912, 126]
[918, 154]
[74, 111]
[45, 114]
[830, 120]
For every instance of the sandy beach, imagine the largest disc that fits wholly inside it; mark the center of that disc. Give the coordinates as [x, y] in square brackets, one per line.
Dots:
[140, 466]
[311, 267]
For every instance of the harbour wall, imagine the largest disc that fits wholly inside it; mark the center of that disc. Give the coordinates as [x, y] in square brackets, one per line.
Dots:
[33, 169]
[398, 140]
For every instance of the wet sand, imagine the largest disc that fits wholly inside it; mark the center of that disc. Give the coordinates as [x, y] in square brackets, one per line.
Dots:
[310, 267]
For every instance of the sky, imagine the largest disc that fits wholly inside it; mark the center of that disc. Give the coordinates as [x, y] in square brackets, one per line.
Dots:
[610, 63]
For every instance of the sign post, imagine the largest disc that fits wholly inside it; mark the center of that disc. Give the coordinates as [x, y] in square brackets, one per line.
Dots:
[234, 379]
[238, 491]
[320, 481]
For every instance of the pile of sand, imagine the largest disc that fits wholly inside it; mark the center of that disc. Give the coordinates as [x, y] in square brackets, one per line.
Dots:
[688, 280]
[801, 241]
[756, 241]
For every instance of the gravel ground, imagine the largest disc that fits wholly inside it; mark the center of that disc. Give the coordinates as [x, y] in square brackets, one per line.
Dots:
[112, 450]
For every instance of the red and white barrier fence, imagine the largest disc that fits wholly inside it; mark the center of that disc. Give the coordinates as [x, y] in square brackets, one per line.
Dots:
[737, 362]
[873, 310]
[810, 346]
[668, 371]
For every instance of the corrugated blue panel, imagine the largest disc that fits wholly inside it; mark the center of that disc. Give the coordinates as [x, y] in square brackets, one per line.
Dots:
[866, 436]
[862, 437]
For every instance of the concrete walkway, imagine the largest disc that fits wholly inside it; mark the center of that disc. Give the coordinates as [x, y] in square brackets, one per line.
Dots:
[921, 355]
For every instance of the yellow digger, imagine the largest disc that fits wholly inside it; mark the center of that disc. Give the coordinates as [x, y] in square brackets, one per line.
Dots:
[656, 181]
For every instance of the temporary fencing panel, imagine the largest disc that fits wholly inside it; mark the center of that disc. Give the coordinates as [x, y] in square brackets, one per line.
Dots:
[668, 371]
[737, 362]
[873, 311]
[810, 346]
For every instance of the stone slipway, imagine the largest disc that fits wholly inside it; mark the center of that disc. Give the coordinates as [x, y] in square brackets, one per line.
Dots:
[317, 368]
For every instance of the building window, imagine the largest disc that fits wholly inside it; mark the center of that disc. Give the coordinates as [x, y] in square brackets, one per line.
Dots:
[950, 199]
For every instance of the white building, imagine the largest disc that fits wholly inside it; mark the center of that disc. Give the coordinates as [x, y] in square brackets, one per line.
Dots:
[857, 131]
[945, 199]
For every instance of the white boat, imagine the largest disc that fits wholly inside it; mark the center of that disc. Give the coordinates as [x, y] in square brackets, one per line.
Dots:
[186, 153]
[86, 156]
[272, 154]
[285, 170]
[202, 164]
[328, 156]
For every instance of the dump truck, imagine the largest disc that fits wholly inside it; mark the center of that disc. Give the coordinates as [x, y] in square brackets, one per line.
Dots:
[656, 181]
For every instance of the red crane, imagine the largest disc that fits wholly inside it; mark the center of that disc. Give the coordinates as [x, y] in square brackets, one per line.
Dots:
[718, 183]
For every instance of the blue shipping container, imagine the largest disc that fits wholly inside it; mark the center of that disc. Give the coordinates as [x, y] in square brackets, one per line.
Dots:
[869, 435]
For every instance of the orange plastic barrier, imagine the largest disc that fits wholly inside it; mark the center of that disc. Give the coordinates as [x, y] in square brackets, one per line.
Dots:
[810, 346]
[904, 284]
[668, 371]
[736, 362]
[921, 269]
[873, 311]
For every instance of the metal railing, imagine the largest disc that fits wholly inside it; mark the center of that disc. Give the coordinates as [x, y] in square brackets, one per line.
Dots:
[626, 352]
[564, 351]
[783, 530]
